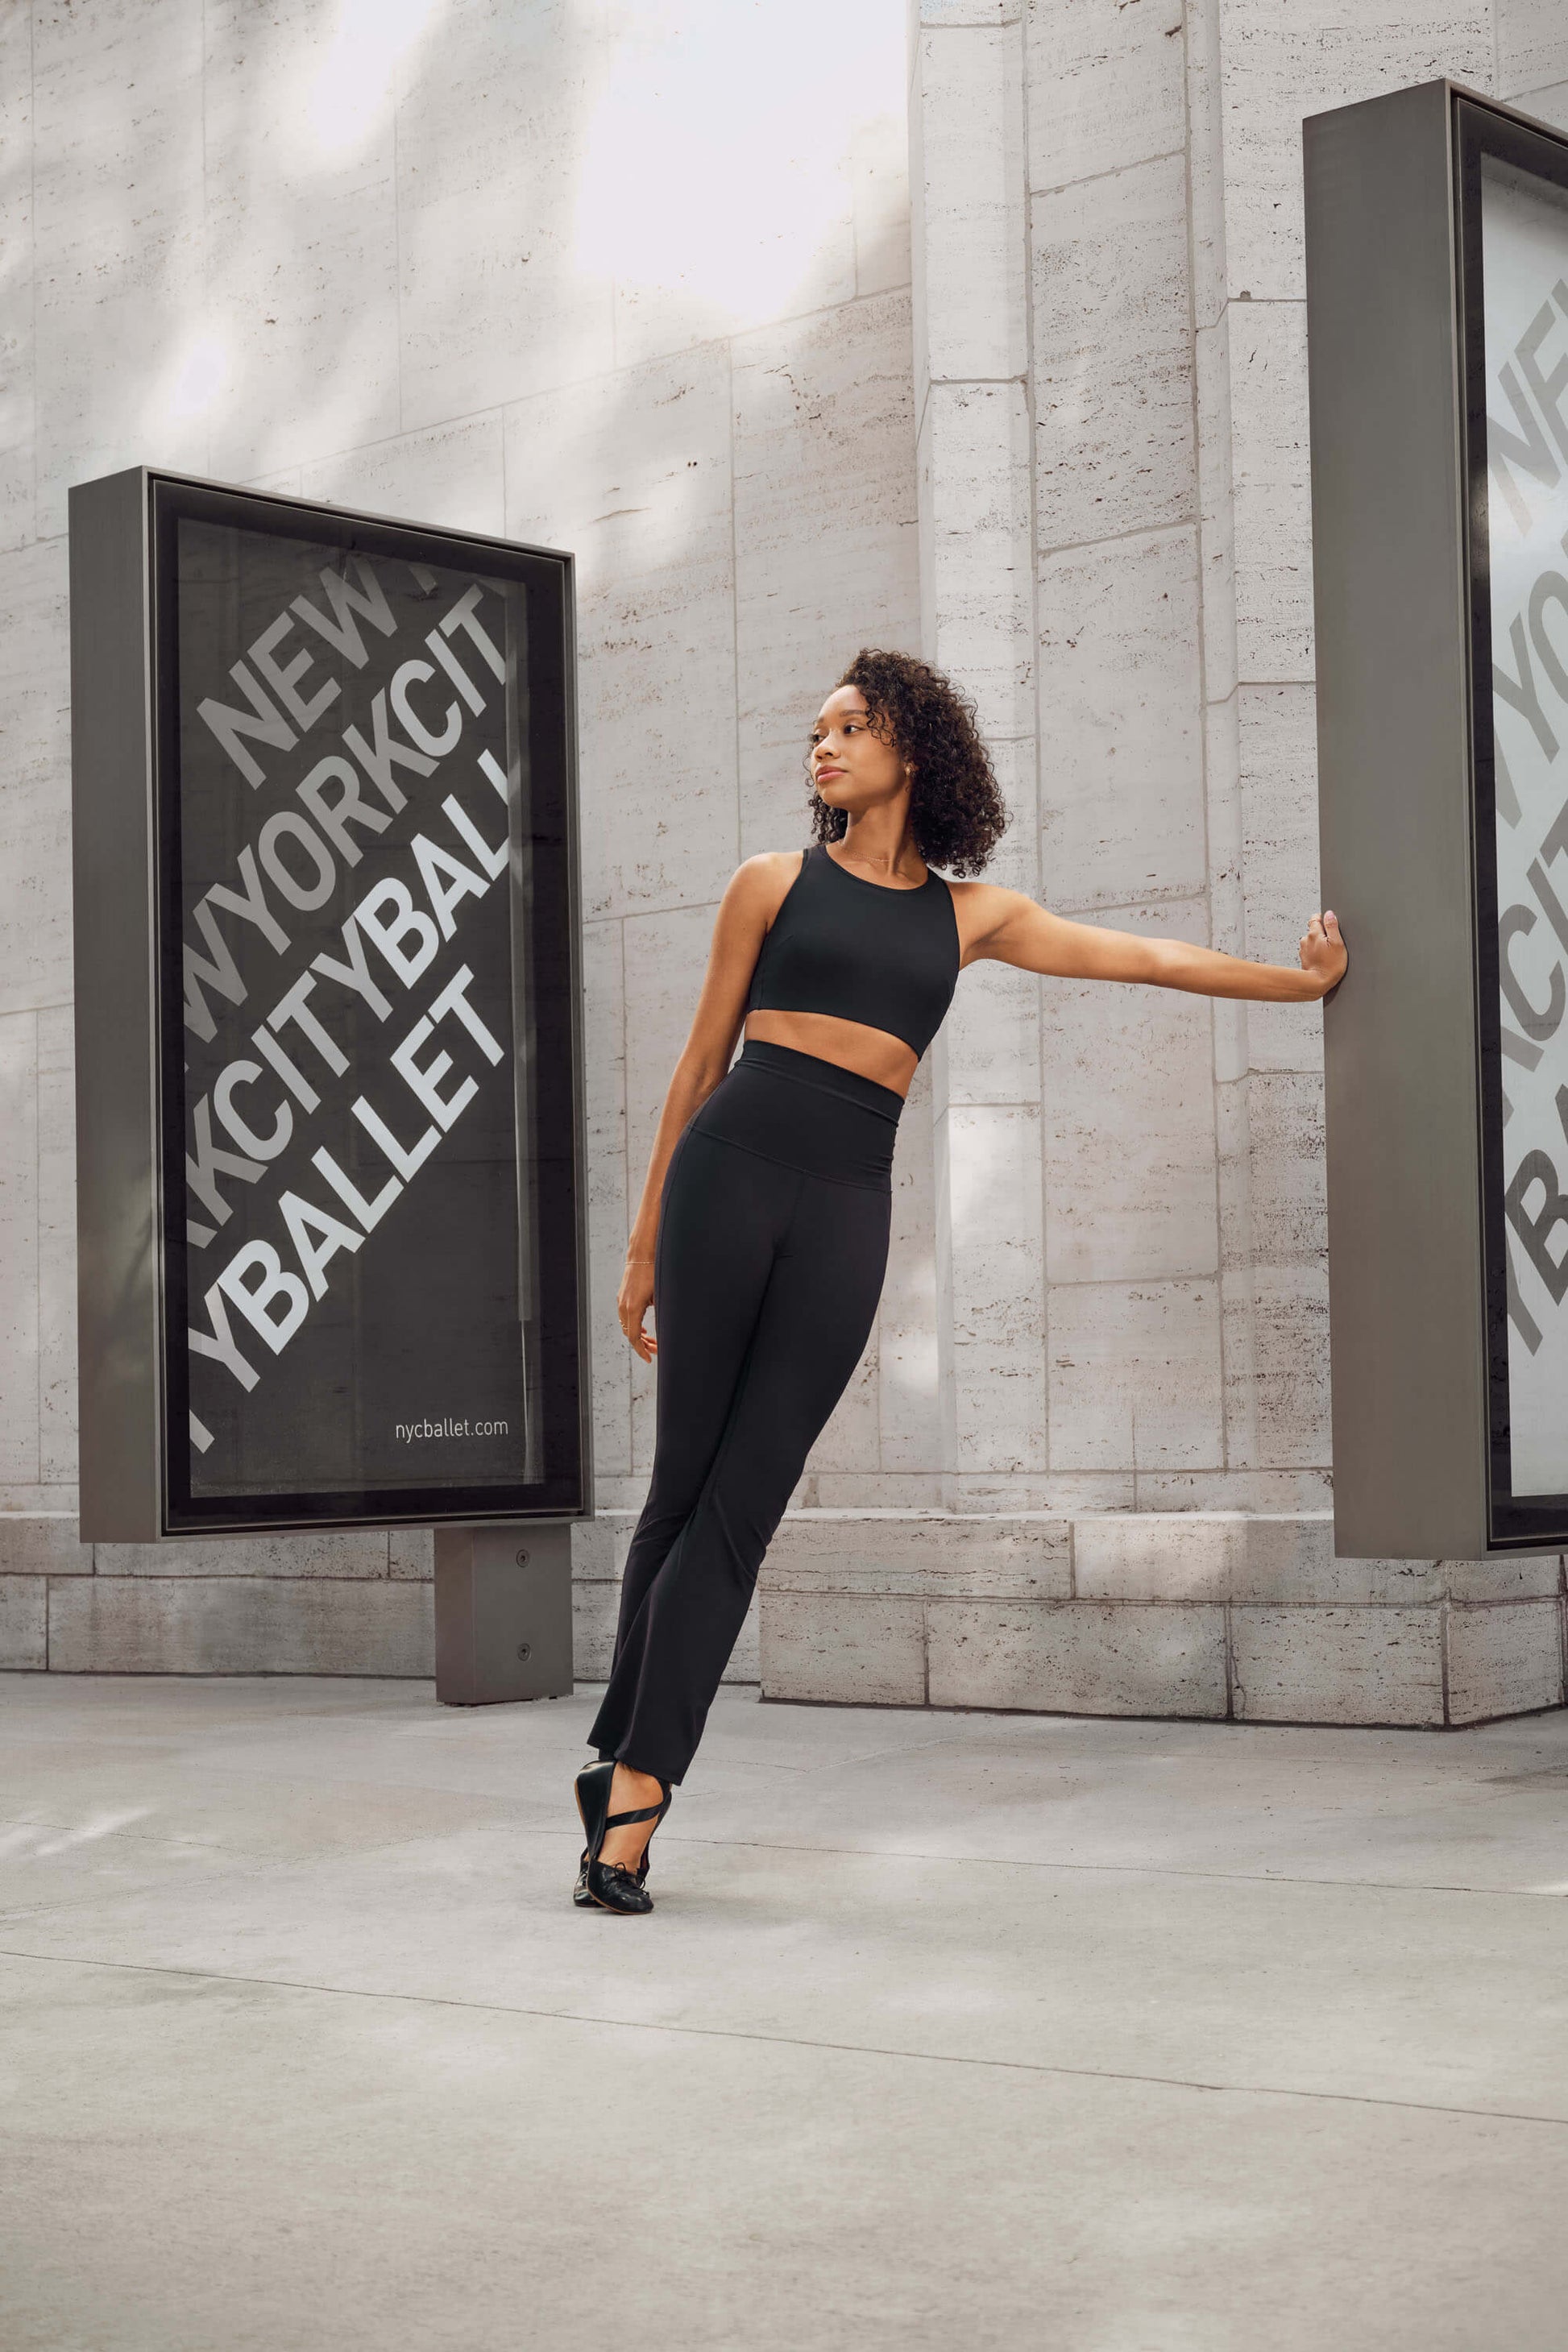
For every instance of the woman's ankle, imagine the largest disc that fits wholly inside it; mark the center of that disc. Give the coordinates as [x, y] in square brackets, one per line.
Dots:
[631, 1791]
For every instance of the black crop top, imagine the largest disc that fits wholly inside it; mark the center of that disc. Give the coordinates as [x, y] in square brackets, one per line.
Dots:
[862, 951]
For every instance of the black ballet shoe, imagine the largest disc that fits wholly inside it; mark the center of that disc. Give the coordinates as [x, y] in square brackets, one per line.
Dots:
[580, 1894]
[610, 1885]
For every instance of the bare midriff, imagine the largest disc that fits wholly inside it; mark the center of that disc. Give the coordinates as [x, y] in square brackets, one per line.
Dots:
[853, 1045]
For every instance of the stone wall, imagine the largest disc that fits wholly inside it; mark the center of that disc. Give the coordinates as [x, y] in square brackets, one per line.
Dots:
[1111, 376]
[1240, 1615]
[612, 279]
[1047, 420]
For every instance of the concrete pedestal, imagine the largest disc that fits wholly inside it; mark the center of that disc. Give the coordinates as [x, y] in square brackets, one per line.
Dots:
[504, 1612]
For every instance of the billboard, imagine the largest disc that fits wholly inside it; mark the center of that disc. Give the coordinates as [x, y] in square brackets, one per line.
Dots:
[1514, 220]
[357, 1293]
[1437, 358]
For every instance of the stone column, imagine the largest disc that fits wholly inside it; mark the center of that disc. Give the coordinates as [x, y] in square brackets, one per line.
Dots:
[972, 407]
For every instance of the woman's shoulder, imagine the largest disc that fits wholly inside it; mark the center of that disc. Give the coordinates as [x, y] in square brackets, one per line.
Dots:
[762, 881]
[768, 870]
[981, 909]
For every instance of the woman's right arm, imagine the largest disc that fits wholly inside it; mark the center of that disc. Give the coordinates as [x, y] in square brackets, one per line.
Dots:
[752, 898]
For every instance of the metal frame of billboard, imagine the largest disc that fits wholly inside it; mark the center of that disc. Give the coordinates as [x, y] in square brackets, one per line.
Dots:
[128, 1015]
[1418, 1268]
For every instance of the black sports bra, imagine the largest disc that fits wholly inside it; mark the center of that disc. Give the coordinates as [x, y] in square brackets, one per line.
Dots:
[862, 951]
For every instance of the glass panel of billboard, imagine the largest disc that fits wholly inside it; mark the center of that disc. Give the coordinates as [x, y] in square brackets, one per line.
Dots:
[357, 1193]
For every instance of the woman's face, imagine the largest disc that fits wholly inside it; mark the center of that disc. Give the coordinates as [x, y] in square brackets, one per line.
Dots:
[852, 768]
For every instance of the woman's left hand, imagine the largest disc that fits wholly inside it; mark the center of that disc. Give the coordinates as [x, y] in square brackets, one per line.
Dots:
[1323, 951]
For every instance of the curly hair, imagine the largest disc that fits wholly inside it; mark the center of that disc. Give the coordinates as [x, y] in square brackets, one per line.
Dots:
[956, 812]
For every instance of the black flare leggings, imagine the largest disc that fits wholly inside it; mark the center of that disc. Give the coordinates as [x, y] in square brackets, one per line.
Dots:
[772, 1246]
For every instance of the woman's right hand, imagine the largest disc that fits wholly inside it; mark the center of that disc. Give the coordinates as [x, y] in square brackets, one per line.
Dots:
[635, 1299]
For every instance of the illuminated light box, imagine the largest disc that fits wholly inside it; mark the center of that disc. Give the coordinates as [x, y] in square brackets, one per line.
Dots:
[1438, 324]
[330, 1107]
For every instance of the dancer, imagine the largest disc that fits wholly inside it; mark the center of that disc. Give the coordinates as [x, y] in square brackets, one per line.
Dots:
[760, 1239]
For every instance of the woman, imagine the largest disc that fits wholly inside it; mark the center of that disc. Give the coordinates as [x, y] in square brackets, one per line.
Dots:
[762, 1235]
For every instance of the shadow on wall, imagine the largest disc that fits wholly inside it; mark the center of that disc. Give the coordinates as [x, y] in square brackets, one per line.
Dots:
[625, 279]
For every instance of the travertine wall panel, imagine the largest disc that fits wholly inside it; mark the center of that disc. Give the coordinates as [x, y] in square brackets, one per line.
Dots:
[492, 121]
[1282, 1256]
[352, 1553]
[245, 1625]
[1129, 1122]
[16, 365]
[665, 957]
[117, 285]
[989, 1272]
[1242, 1556]
[19, 1247]
[1338, 1665]
[609, 1211]
[24, 1623]
[1077, 1657]
[934, 1555]
[880, 170]
[1530, 45]
[38, 1542]
[858, 1650]
[1121, 719]
[1136, 1378]
[1272, 490]
[762, 204]
[454, 475]
[975, 558]
[982, 15]
[1503, 1659]
[57, 1246]
[993, 1037]
[299, 235]
[966, 152]
[1285, 1135]
[1278, 737]
[632, 472]
[34, 799]
[1105, 87]
[411, 1554]
[1112, 357]
[825, 537]
[908, 1402]
[1279, 62]
[1537, 1577]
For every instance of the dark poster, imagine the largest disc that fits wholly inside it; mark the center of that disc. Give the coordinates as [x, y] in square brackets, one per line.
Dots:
[1515, 215]
[351, 1160]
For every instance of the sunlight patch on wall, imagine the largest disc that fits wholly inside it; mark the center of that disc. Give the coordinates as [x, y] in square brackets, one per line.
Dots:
[718, 157]
[200, 375]
[354, 85]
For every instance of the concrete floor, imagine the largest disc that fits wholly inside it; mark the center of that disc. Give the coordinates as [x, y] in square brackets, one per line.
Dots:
[950, 2031]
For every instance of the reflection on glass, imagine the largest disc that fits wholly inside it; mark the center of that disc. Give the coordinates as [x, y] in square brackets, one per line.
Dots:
[1524, 228]
[342, 1172]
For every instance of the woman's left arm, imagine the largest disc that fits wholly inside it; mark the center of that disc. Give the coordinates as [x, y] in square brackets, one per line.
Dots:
[1009, 928]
